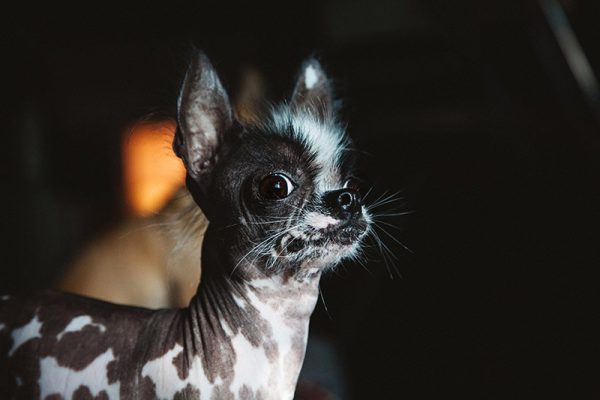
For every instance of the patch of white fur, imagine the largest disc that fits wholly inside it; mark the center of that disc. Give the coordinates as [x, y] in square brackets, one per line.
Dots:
[5, 297]
[2, 326]
[226, 328]
[78, 323]
[167, 382]
[266, 283]
[327, 257]
[310, 77]
[56, 379]
[29, 331]
[240, 302]
[320, 221]
[252, 367]
[289, 317]
[298, 234]
[325, 141]
[283, 244]
[332, 253]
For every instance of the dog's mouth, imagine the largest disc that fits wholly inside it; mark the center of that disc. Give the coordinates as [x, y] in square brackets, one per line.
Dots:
[332, 240]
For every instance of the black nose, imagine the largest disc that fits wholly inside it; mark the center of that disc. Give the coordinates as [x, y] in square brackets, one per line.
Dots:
[344, 201]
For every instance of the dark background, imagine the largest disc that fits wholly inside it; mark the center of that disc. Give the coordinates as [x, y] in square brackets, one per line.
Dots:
[469, 108]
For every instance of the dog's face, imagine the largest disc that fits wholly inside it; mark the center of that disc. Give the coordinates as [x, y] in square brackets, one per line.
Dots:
[279, 193]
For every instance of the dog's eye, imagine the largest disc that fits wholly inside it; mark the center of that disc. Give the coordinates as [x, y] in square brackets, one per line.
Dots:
[276, 186]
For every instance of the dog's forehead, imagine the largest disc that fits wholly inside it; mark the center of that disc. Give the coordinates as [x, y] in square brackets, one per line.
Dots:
[324, 142]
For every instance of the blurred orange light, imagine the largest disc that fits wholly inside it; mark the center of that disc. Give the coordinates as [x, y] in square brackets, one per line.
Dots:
[151, 171]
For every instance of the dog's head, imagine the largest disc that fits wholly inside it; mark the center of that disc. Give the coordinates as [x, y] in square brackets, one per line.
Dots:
[279, 194]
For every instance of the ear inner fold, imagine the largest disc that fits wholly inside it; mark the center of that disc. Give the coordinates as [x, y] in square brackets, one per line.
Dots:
[204, 114]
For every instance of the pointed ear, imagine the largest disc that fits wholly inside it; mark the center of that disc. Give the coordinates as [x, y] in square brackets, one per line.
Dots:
[313, 92]
[204, 114]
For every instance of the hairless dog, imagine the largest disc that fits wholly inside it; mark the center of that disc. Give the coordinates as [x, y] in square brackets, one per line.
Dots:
[283, 209]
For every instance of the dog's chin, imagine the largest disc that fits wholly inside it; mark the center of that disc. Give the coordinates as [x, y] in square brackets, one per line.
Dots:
[321, 248]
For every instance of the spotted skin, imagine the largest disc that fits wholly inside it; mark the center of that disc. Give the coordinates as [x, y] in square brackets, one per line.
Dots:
[131, 352]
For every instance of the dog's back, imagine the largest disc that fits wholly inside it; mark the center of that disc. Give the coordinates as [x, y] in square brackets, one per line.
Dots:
[57, 342]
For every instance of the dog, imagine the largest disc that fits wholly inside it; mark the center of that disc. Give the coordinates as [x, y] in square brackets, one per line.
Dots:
[283, 209]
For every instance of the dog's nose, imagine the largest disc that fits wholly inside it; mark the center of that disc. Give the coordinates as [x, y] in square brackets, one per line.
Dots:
[343, 201]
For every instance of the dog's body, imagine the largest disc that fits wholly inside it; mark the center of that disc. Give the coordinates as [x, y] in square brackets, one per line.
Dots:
[250, 346]
[281, 212]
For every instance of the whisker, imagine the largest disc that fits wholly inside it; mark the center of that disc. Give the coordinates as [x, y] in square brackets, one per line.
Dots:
[324, 304]
[364, 198]
[388, 256]
[394, 239]
[261, 248]
[385, 206]
[399, 214]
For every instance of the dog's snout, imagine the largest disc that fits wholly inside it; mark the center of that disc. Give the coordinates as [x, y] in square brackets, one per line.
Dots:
[344, 201]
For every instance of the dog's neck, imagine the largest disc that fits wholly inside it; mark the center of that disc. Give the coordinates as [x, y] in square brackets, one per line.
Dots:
[252, 327]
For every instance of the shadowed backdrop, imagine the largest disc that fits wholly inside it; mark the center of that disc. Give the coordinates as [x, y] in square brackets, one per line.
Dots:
[477, 114]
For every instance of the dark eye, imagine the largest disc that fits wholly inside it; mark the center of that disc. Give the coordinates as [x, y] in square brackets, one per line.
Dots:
[276, 186]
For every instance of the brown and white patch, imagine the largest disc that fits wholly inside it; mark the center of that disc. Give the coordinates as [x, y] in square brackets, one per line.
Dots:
[23, 334]
[56, 379]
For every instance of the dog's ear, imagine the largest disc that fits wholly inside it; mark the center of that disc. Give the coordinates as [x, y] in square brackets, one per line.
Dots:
[204, 114]
[313, 91]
